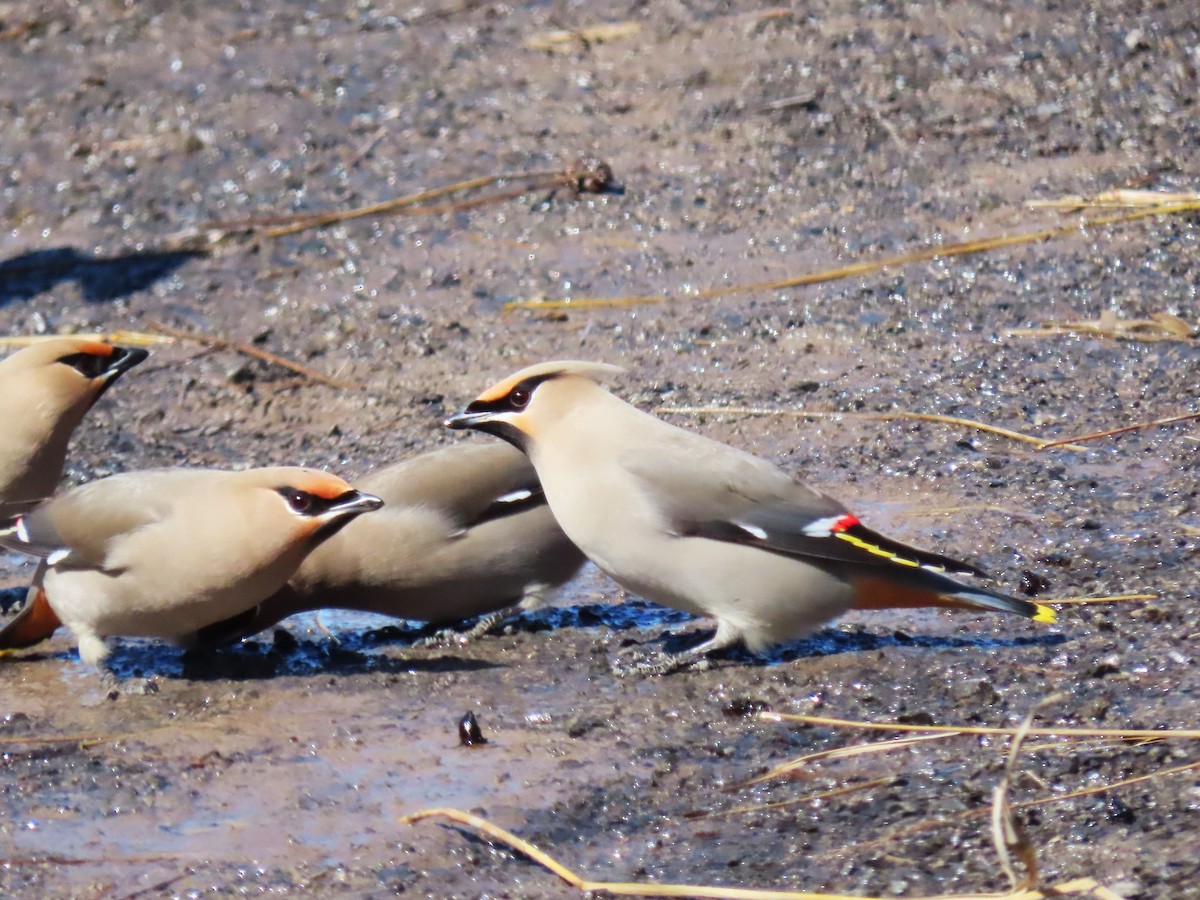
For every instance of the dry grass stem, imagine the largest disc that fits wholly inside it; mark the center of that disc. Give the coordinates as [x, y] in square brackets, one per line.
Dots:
[944, 251]
[1089, 601]
[966, 423]
[1077, 887]
[1122, 198]
[159, 889]
[583, 176]
[843, 753]
[1008, 836]
[407, 204]
[1084, 745]
[877, 416]
[1112, 785]
[967, 508]
[565, 41]
[1117, 733]
[1067, 443]
[370, 144]
[120, 336]
[83, 740]
[981, 812]
[432, 15]
[1110, 432]
[53, 860]
[795, 801]
[221, 343]
[1160, 326]
[324, 629]
[212, 233]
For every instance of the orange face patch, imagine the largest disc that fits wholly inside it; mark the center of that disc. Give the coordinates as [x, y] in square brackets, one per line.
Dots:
[322, 484]
[96, 348]
[501, 389]
[595, 371]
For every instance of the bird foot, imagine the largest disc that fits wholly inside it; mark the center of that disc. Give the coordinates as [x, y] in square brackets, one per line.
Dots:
[661, 664]
[452, 637]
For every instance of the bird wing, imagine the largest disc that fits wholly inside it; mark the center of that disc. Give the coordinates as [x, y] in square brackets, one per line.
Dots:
[32, 535]
[730, 496]
[79, 528]
[468, 484]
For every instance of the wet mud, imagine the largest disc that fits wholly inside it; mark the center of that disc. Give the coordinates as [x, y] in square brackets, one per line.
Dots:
[751, 144]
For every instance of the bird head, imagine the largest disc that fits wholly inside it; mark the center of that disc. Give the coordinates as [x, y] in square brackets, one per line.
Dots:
[523, 404]
[321, 504]
[74, 368]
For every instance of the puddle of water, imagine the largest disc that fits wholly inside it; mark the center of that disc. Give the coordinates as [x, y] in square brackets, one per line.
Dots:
[292, 769]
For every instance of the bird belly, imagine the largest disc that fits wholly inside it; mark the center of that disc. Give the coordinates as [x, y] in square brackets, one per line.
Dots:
[124, 604]
[767, 598]
[429, 576]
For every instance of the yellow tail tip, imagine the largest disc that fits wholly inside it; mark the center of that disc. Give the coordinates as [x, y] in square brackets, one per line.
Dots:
[1044, 614]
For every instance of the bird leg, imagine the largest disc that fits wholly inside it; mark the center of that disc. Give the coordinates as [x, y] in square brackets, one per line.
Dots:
[92, 648]
[695, 658]
[452, 637]
[533, 598]
[663, 663]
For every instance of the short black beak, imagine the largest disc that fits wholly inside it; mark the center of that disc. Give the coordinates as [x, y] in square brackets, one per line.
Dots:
[124, 359]
[121, 361]
[467, 419]
[342, 511]
[354, 503]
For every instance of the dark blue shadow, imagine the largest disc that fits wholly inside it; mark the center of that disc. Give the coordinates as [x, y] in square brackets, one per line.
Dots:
[637, 614]
[253, 660]
[833, 641]
[279, 652]
[101, 279]
[11, 600]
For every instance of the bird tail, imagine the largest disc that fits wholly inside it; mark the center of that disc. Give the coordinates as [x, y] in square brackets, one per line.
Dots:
[33, 624]
[932, 589]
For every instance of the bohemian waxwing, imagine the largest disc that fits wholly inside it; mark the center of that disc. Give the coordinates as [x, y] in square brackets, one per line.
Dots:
[45, 391]
[465, 532]
[165, 552]
[694, 524]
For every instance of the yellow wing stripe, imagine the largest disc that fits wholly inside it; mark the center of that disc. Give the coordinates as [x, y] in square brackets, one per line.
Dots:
[1043, 614]
[877, 550]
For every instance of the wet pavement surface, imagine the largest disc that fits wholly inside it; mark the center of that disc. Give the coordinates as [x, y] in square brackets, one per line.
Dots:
[751, 144]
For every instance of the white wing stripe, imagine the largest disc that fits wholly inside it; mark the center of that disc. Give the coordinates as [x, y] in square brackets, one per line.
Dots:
[752, 530]
[822, 527]
[514, 496]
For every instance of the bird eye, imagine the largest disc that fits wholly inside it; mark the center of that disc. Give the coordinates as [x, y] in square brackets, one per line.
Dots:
[518, 398]
[299, 501]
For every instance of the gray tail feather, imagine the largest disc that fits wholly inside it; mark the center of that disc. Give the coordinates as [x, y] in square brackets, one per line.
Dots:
[983, 598]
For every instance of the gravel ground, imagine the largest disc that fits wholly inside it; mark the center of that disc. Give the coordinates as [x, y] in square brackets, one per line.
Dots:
[751, 144]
